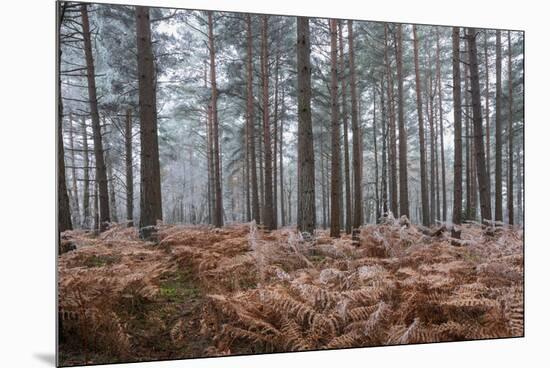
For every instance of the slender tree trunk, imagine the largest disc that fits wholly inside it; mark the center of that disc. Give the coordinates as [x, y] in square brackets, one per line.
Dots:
[218, 209]
[110, 176]
[437, 198]
[64, 211]
[510, 187]
[498, 133]
[76, 204]
[97, 224]
[86, 176]
[519, 181]
[101, 171]
[374, 141]
[429, 111]
[335, 179]
[275, 140]
[484, 196]
[250, 121]
[347, 184]
[357, 167]
[441, 132]
[384, 189]
[150, 193]
[421, 134]
[268, 173]
[306, 164]
[487, 119]
[281, 174]
[392, 134]
[261, 166]
[470, 210]
[457, 107]
[403, 176]
[323, 191]
[129, 169]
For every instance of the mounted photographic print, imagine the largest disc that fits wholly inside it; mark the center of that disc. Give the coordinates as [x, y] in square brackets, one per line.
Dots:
[233, 183]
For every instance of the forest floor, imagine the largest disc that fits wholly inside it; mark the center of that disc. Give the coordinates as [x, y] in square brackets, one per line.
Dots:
[237, 290]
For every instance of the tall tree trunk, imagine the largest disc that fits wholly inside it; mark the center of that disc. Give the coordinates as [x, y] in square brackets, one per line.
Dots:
[323, 193]
[510, 187]
[129, 169]
[218, 209]
[275, 139]
[403, 176]
[484, 196]
[457, 107]
[250, 121]
[392, 154]
[374, 141]
[76, 204]
[208, 142]
[110, 176]
[101, 170]
[356, 154]
[306, 164]
[519, 181]
[347, 184]
[433, 209]
[150, 193]
[281, 174]
[335, 179]
[441, 132]
[64, 210]
[470, 209]
[498, 133]
[487, 119]
[268, 173]
[384, 188]
[421, 134]
[97, 223]
[86, 177]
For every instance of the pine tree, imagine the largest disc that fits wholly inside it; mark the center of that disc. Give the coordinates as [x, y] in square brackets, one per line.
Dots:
[306, 168]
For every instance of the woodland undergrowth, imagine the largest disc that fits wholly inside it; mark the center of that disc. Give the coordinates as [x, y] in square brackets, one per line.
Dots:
[266, 292]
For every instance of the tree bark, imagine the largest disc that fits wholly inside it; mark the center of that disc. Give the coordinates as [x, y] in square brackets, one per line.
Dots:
[498, 132]
[268, 173]
[347, 184]
[403, 176]
[335, 179]
[275, 140]
[375, 144]
[356, 154]
[218, 208]
[392, 154]
[250, 121]
[487, 119]
[101, 170]
[457, 107]
[86, 177]
[421, 134]
[150, 193]
[306, 164]
[484, 196]
[76, 204]
[129, 169]
[510, 187]
[442, 143]
[281, 173]
[64, 211]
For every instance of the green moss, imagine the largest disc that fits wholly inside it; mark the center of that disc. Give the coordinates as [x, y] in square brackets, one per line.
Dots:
[179, 286]
[101, 260]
